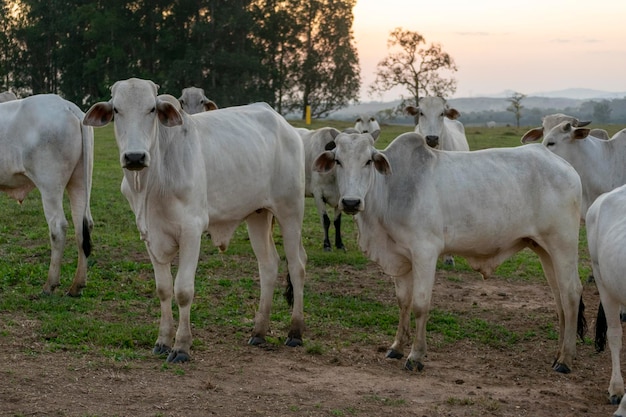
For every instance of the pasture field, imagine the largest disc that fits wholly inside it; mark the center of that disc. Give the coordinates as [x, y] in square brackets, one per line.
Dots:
[491, 343]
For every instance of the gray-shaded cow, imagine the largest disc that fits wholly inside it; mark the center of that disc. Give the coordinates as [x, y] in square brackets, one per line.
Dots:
[45, 146]
[185, 175]
[606, 237]
[366, 124]
[484, 205]
[194, 101]
[7, 96]
[600, 163]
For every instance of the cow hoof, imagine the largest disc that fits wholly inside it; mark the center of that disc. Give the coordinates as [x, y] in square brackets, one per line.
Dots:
[327, 249]
[412, 365]
[256, 341]
[562, 368]
[293, 342]
[615, 399]
[178, 356]
[160, 349]
[341, 247]
[74, 293]
[393, 354]
[449, 262]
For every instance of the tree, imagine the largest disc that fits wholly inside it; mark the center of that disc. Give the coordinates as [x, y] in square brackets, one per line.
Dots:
[602, 112]
[516, 106]
[421, 70]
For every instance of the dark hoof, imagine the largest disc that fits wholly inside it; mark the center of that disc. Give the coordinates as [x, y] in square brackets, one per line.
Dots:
[562, 368]
[449, 262]
[178, 356]
[412, 365]
[341, 247]
[256, 341]
[327, 248]
[615, 399]
[74, 294]
[293, 342]
[160, 349]
[393, 354]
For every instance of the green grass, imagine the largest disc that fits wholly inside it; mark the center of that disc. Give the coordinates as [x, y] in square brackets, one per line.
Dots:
[118, 314]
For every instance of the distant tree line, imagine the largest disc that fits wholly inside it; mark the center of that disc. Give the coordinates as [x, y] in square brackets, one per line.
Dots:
[289, 53]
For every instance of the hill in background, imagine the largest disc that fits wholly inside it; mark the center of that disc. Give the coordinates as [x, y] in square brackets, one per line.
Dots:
[475, 110]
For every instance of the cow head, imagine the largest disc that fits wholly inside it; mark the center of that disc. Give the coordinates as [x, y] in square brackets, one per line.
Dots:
[136, 112]
[564, 133]
[548, 123]
[366, 124]
[194, 101]
[355, 161]
[429, 118]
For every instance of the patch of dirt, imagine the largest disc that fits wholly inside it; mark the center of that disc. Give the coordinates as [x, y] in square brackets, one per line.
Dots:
[226, 377]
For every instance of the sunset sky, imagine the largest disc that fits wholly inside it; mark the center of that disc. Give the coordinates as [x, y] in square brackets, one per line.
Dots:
[529, 47]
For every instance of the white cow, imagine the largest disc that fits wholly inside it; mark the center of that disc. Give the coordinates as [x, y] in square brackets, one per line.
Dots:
[185, 175]
[194, 101]
[366, 124]
[323, 187]
[7, 96]
[551, 120]
[485, 205]
[437, 123]
[45, 146]
[606, 237]
[600, 163]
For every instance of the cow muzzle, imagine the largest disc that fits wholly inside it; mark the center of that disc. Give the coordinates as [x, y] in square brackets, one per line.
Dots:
[432, 141]
[351, 205]
[135, 161]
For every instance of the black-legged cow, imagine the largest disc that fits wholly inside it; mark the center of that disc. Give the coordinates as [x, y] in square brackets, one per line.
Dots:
[484, 205]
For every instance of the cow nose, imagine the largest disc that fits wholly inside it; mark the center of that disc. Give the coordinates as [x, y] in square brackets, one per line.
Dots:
[432, 141]
[351, 205]
[135, 161]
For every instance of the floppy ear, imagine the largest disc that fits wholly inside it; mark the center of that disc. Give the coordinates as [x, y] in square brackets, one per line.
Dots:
[452, 114]
[100, 114]
[533, 135]
[324, 162]
[168, 115]
[375, 134]
[381, 163]
[580, 133]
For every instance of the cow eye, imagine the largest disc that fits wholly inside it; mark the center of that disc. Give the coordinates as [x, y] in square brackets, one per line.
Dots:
[152, 110]
[550, 144]
[338, 162]
[115, 110]
[368, 163]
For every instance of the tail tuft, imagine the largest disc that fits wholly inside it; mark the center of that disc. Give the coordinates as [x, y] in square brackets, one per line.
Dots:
[86, 238]
[601, 328]
[289, 291]
[582, 321]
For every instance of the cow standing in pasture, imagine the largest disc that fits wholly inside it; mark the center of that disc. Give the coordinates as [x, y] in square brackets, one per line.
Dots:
[7, 96]
[194, 101]
[185, 175]
[606, 238]
[366, 124]
[45, 146]
[436, 121]
[412, 203]
[600, 163]
[323, 187]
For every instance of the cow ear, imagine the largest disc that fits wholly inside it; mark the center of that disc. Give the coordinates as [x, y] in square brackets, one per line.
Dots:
[210, 105]
[381, 163]
[533, 135]
[452, 114]
[168, 115]
[375, 134]
[412, 110]
[580, 133]
[324, 162]
[100, 114]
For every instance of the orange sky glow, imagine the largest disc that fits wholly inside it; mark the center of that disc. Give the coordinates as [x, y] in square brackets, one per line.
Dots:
[529, 47]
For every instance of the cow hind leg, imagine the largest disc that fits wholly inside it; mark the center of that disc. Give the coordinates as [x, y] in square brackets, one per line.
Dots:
[260, 232]
[561, 272]
[83, 225]
[57, 226]
[291, 227]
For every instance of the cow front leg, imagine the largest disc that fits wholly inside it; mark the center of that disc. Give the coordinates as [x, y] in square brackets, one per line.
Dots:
[337, 223]
[423, 282]
[165, 292]
[184, 288]
[404, 292]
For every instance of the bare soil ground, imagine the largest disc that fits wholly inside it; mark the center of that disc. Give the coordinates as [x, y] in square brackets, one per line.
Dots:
[229, 378]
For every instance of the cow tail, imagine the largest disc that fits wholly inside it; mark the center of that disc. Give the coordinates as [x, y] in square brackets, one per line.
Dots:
[87, 141]
[289, 291]
[582, 321]
[601, 328]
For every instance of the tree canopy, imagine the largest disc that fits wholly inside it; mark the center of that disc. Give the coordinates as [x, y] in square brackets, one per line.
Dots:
[289, 53]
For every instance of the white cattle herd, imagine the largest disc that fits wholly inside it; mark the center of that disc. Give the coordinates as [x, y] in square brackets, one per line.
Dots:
[190, 168]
